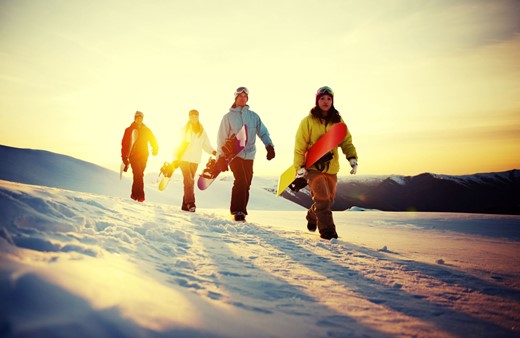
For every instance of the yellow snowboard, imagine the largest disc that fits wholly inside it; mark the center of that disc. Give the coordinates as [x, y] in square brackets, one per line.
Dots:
[285, 179]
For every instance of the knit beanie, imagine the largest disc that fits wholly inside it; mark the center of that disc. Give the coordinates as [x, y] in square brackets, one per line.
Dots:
[325, 90]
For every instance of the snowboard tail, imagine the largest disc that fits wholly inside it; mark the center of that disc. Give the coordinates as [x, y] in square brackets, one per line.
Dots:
[285, 179]
[167, 171]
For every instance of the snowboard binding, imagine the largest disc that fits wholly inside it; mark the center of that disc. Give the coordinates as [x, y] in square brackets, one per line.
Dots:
[231, 147]
[209, 171]
[167, 169]
[298, 184]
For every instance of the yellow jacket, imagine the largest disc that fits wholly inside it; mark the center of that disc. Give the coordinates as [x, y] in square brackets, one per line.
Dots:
[310, 130]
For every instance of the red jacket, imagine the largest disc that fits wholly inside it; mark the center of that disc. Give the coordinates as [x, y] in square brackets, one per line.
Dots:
[140, 147]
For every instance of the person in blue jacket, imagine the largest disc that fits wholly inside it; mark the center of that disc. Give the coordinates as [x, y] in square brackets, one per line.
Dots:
[242, 165]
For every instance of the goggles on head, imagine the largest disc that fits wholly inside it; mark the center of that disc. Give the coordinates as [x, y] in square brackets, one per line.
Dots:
[325, 90]
[241, 90]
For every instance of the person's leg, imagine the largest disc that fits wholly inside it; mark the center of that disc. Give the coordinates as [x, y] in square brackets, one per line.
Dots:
[189, 186]
[184, 166]
[311, 218]
[138, 167]
[323, 190]
[243, 173]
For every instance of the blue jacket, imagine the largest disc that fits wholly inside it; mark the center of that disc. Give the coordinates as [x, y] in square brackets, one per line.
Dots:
[231, 124]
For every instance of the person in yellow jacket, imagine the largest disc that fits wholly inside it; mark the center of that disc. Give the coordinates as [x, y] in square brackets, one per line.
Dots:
[322, 176]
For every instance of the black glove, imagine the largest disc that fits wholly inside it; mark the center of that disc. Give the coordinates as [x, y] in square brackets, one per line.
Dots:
[270, 152]
[221, 164]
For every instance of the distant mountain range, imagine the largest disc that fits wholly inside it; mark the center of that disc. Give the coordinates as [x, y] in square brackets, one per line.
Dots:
[39, 167]
[492, 193]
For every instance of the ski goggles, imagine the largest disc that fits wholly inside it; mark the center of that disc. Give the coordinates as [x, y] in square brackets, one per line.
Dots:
[325, 90]
[241, 90]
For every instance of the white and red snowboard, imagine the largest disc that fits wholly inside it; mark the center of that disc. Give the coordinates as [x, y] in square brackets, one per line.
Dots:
[210, 173]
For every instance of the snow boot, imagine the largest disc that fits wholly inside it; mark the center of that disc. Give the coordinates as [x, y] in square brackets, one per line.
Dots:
[328, 234]
[188, 207]
[240, 217]
[311, 226]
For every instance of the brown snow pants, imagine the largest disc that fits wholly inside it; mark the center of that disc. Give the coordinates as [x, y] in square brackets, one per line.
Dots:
[323, 192]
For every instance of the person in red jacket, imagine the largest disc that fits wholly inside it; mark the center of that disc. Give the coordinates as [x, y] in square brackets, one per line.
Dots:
[134, 152]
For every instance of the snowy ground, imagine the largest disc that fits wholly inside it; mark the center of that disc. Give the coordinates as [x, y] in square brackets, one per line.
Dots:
[85, 265]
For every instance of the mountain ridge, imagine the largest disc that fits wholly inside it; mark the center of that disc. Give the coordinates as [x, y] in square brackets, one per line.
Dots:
[491, 193]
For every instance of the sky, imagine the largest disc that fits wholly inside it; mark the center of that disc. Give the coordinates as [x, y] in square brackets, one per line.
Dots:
[424, 86]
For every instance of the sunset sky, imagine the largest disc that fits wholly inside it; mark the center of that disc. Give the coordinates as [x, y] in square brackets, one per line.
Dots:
[424, 86]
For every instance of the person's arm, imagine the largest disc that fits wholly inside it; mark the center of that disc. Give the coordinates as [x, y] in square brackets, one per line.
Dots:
[125, 144]
[153, 143]
[347, 147]
[301, 143]
[206, 144]
[222, 135]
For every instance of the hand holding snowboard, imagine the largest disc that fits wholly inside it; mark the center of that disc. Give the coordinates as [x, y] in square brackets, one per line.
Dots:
[231, 148]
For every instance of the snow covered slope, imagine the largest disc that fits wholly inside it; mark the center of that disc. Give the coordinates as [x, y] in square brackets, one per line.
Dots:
[87, 265]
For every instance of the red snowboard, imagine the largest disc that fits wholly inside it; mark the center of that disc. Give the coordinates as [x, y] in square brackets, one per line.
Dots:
[330, 140]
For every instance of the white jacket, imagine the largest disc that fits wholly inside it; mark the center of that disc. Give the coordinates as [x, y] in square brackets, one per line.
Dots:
[196, 143]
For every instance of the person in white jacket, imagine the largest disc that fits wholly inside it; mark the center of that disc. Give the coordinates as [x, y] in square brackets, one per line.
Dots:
[188, 154]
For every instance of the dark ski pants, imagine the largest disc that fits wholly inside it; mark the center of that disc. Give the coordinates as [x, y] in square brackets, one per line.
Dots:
[323, 192]
[243, 173]
[138, 167]
[189, 169]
